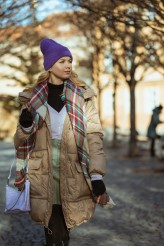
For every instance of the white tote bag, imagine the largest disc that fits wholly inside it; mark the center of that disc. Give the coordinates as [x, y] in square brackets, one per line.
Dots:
[17, 201]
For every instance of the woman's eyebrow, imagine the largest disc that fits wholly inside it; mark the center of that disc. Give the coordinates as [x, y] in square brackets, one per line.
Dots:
[64, 59]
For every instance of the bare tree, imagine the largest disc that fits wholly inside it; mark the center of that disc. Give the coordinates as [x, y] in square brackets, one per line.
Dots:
[15, 13]
[134, 29]
[18, 43]
[136, 48]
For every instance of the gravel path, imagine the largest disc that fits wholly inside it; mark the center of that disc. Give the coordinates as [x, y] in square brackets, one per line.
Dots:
[137, 187]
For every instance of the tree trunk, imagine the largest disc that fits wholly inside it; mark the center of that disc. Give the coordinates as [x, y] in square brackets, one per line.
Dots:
[114, 115]
[97, 68]
[132, 140]
[99, 104]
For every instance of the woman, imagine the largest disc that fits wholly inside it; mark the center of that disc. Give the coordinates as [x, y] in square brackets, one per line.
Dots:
[151, 132]
[59, 138]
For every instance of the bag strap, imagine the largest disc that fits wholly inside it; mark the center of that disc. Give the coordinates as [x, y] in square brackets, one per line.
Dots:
[8, 179]
[14, 161]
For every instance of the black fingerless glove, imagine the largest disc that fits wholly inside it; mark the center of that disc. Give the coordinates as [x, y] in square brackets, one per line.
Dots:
[25, 118]
[98, 187]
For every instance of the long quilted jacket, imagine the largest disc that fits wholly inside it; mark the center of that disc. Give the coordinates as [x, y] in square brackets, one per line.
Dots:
[77, 203]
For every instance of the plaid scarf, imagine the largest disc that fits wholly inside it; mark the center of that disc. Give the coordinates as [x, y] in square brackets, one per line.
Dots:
[74, 102]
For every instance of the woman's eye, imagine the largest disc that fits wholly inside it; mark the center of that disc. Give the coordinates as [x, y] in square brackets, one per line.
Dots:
[70, 61]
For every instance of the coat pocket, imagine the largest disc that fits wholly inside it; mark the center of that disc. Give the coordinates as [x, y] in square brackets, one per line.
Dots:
[82, 188]
[34, 165]
[35, 177]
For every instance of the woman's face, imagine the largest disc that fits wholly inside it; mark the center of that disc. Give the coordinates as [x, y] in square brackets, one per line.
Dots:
[62, 68]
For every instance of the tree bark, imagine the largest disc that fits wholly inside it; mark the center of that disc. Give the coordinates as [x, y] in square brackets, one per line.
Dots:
[97, 68]
[114, 115]
[99, 104]
[132, 140]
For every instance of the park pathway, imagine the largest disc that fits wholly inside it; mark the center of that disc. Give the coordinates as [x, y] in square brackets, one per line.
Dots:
[137, 187]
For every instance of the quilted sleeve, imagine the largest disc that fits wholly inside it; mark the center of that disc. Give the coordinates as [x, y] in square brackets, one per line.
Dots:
[95, 140]
[22, 134]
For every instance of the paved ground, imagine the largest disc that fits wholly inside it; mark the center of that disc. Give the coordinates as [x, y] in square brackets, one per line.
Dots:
[136, 186]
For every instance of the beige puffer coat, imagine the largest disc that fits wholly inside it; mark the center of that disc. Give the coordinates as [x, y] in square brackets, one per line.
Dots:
[77, 202]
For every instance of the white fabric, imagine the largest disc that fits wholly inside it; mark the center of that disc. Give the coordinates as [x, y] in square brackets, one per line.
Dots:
[18, 201]
[27, 129]
[96, 177]
[57, 121]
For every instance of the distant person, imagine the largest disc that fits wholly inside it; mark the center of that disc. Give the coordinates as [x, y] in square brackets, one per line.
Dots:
[60, 132]
[151, 133]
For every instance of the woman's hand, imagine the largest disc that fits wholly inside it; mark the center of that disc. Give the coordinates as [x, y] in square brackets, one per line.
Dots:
[25, 118]
[20, 179]
[98, 187]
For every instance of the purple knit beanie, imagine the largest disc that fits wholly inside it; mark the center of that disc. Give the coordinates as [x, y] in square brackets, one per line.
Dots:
[52, 52]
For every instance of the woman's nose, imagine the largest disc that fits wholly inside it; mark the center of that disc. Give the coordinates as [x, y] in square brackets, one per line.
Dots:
[68, 64]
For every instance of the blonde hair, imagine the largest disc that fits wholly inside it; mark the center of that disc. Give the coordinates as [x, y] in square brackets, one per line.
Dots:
[45, 76]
